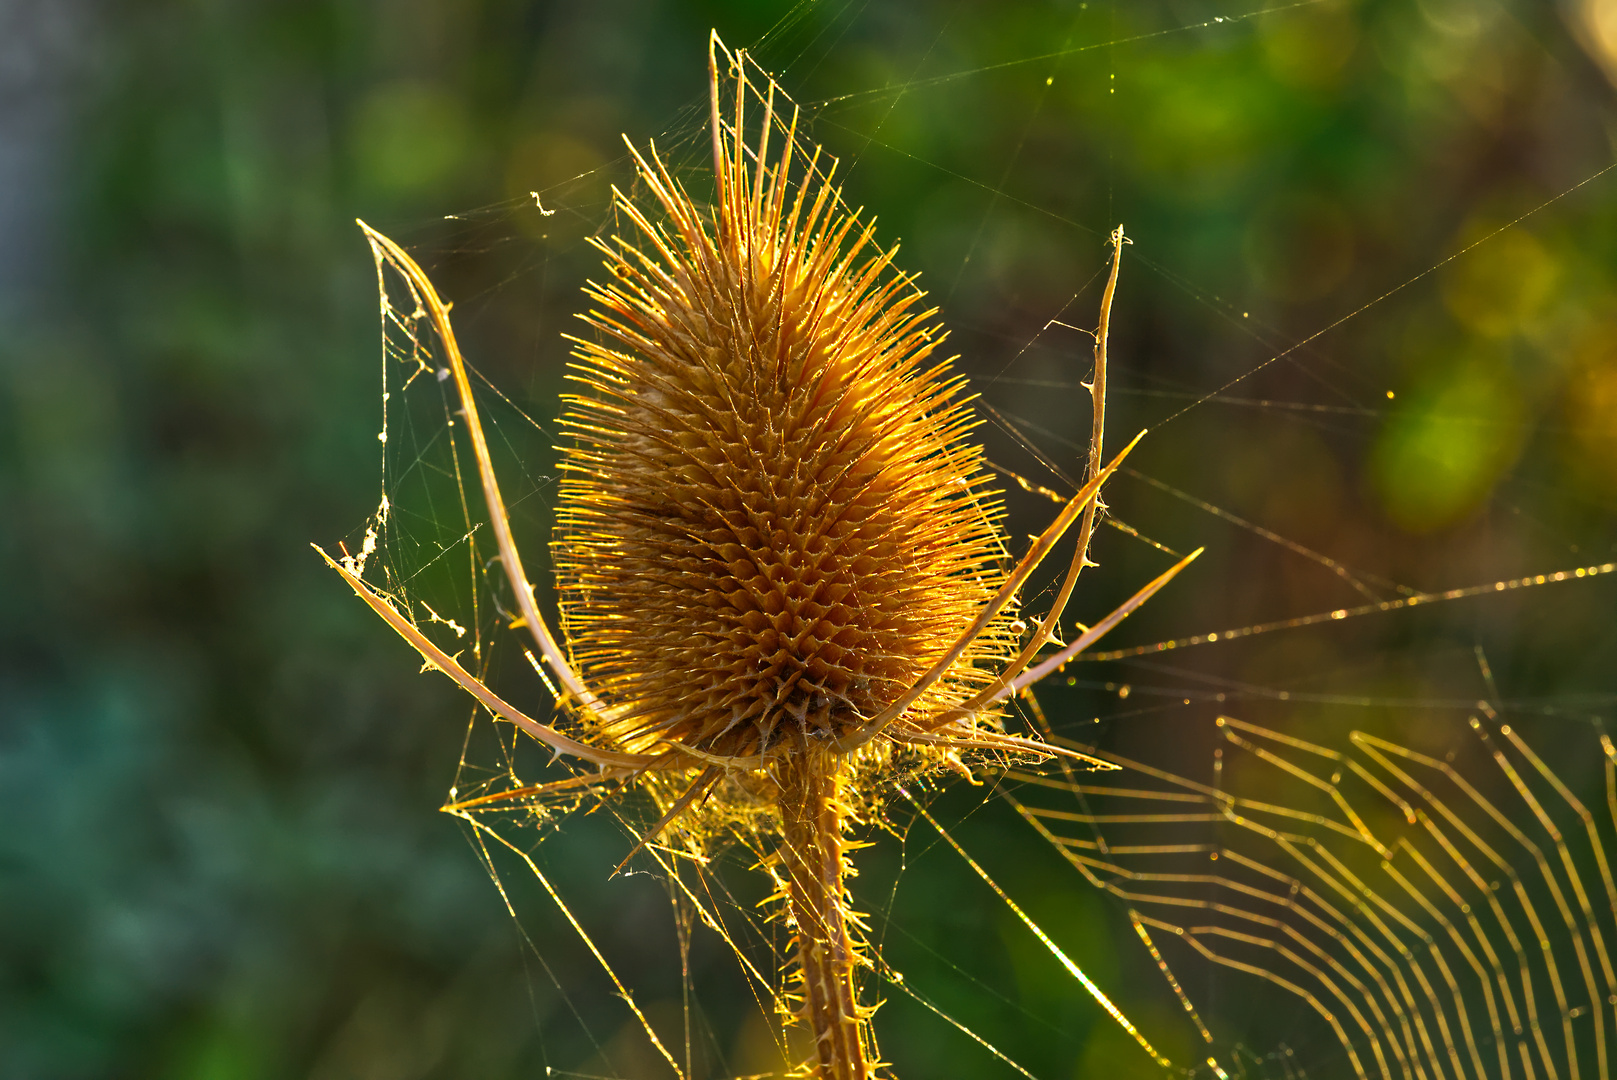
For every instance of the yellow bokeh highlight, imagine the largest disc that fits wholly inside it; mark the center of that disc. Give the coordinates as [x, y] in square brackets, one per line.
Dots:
[1308, 48]
[1437, 460]
[1591, 410]
[1594, 23]
[1201, 124]
[553, 164]
[1502, 284]
[410, 138]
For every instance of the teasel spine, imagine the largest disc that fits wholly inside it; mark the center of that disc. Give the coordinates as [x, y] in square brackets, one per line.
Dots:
[877, 407]
[810, 774]
[761, 420]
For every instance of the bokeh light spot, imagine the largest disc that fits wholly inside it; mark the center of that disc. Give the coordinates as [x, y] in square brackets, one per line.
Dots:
[1500, 285]
[551, 163]
[1436, 461]
[410, 138]
[1591, 405]
[1309, 48]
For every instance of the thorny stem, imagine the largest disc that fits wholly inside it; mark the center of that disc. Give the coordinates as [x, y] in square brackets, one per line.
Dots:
[812, 823]
[810, 773]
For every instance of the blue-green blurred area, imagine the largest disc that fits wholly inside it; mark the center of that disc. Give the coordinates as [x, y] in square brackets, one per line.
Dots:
[220, 856]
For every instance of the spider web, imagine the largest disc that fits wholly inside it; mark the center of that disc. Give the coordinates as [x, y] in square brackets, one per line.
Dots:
[1261, 707]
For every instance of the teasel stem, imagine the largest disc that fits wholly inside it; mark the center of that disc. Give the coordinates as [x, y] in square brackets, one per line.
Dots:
[813, 821]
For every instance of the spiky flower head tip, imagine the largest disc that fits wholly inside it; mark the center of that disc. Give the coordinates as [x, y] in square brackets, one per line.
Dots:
[772, 518]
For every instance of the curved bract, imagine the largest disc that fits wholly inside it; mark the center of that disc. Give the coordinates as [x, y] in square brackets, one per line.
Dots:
[778, 558]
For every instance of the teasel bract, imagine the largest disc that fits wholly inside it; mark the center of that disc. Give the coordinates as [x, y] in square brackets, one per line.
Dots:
[782, 577]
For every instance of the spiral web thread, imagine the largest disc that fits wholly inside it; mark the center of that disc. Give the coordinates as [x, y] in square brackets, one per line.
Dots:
[1553, 865]
[1444, 914]
[1405, 1029]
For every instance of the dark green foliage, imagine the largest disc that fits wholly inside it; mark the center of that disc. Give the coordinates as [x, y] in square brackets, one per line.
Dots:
[219, 772]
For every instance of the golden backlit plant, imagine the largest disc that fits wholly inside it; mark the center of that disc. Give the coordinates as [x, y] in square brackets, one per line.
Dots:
[782, 579]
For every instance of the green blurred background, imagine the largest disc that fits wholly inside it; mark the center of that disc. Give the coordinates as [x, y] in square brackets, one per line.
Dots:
[219, 855]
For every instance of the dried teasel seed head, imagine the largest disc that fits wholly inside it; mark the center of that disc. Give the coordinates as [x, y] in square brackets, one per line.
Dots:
[772, 516]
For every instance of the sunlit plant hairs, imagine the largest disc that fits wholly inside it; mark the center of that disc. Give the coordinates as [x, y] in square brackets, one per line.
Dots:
[783, 582]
